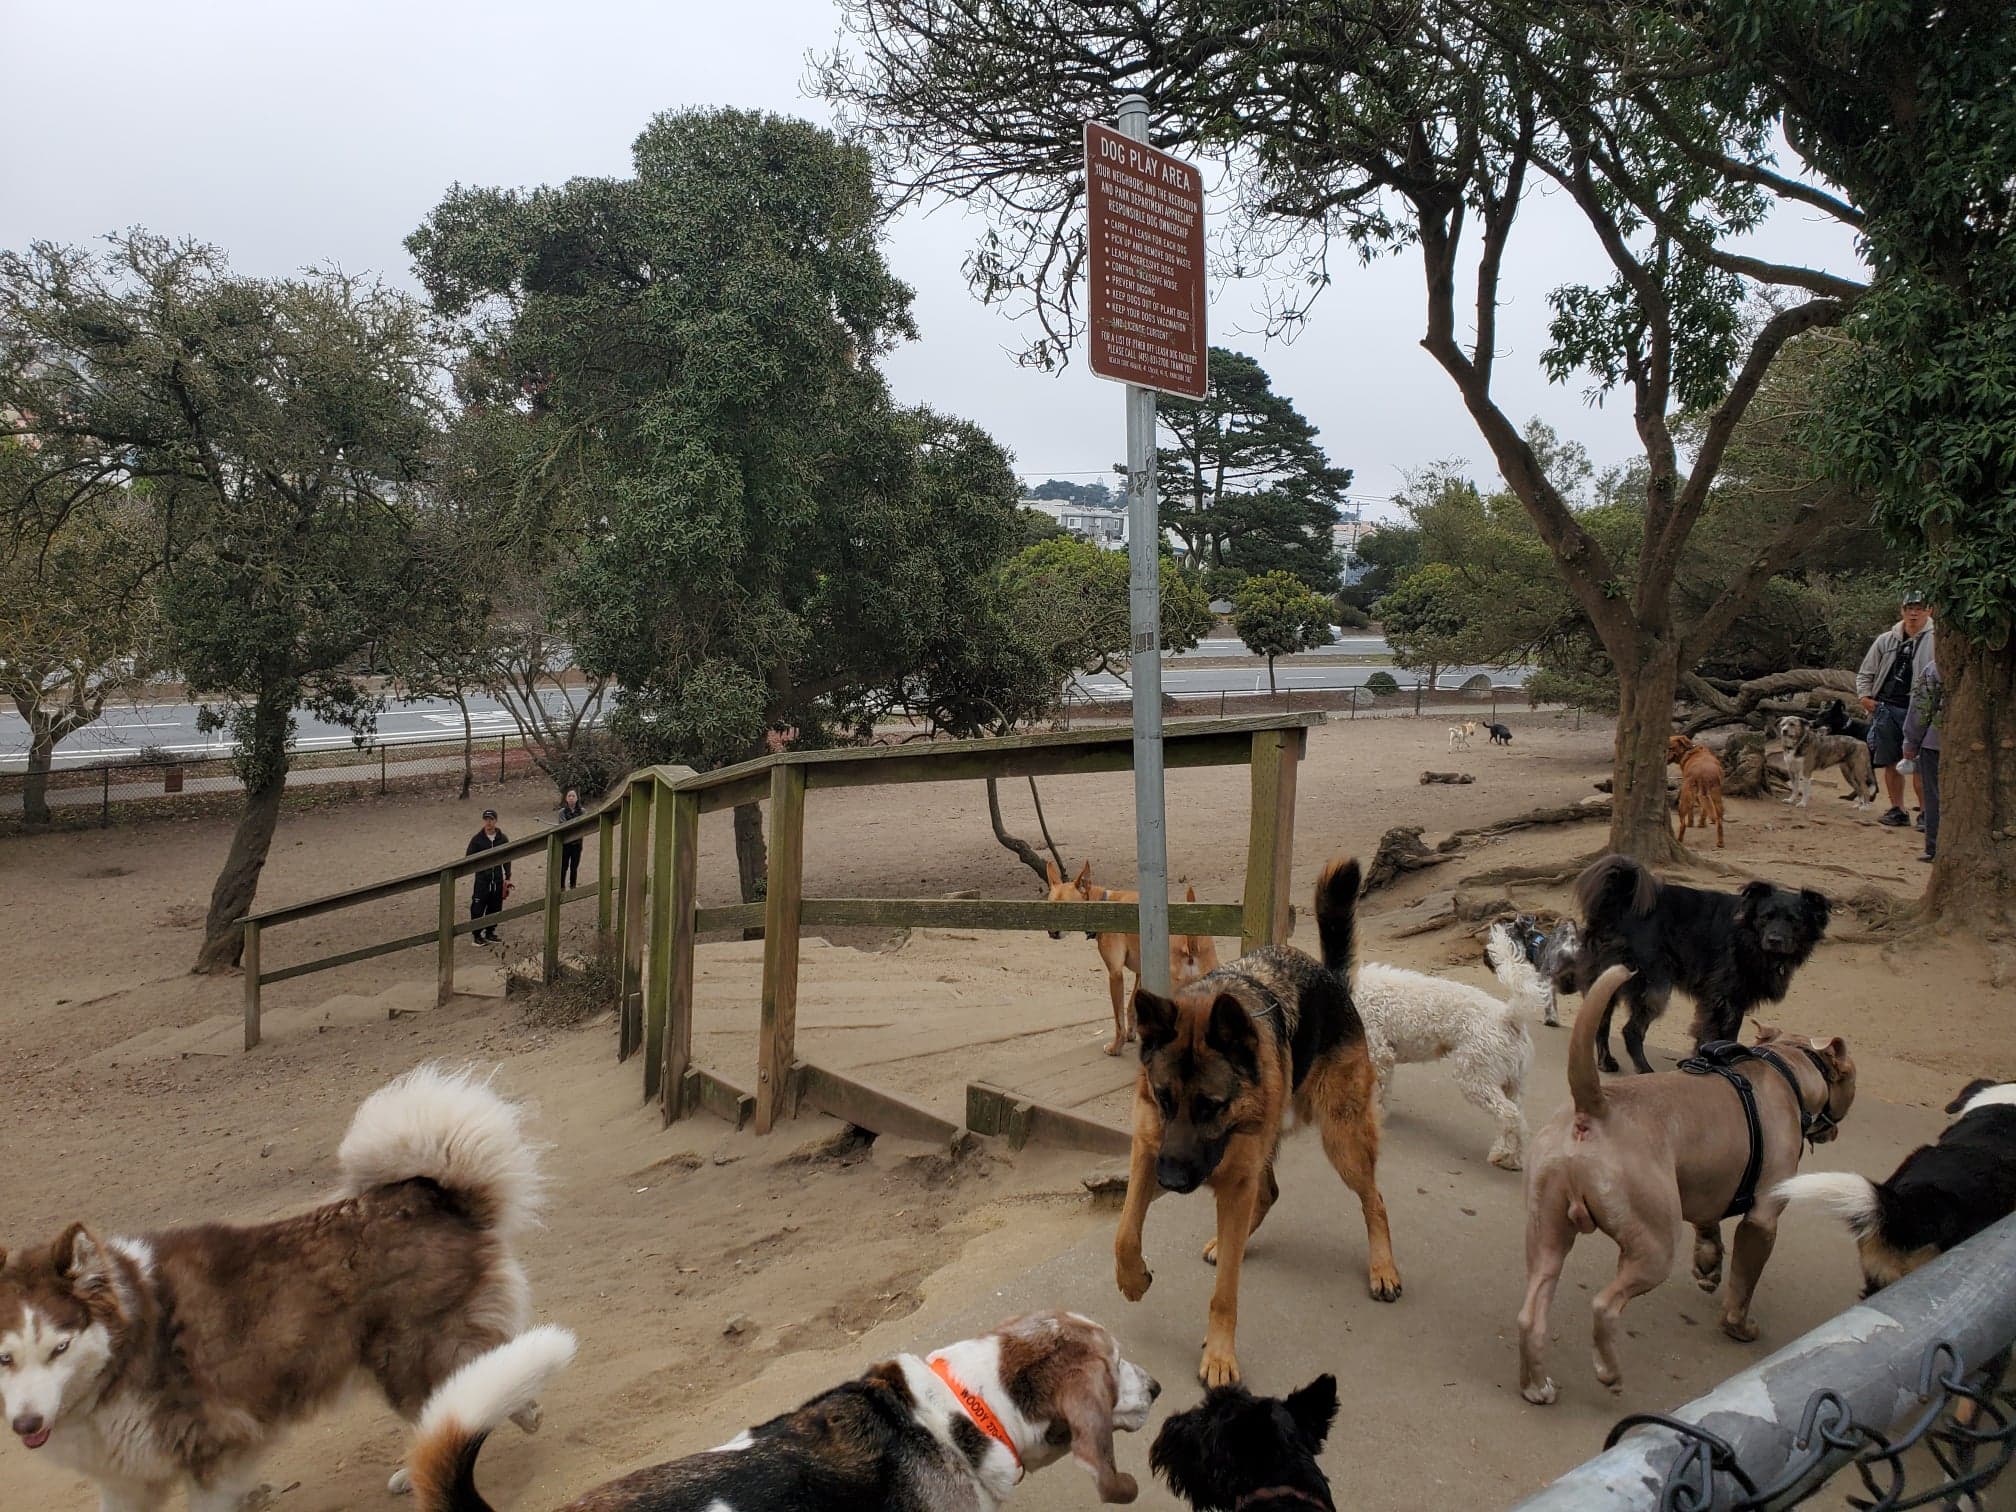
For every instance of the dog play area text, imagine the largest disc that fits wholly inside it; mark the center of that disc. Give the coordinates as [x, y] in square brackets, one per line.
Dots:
[1145, 223]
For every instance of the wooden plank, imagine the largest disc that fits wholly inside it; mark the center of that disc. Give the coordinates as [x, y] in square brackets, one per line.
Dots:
[708, 1091]
[549, 943]
[736, 916]
[1019, 1120]
[1177, 733]
[636, 834]
[444, 960]
[683, 885]
[778, 1032]
[1266, 902]
[351, 957]
[870, 1107]
[605, 869]
[249, 959]
[1224, 919]
[658, 956]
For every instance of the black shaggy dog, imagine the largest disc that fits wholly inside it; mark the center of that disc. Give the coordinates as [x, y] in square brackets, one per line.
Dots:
[1731, 952]
[1235, 1450]
[1941, 1196]
[1836, 720]
[1500, 734]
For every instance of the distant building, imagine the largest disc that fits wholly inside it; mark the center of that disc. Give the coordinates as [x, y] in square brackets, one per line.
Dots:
[1089, 522]
[1345, 536]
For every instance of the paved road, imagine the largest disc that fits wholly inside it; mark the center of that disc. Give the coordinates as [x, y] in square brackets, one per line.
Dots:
[1290, 672]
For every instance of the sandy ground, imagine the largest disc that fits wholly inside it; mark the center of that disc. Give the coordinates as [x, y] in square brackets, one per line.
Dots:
[717, 1278]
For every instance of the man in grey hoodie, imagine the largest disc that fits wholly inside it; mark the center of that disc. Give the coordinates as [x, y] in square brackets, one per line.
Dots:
[1886, 681]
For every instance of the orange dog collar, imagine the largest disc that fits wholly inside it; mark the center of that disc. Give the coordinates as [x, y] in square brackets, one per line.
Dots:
[978, 1410]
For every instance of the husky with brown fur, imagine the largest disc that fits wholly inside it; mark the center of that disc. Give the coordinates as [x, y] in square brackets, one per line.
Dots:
[1225, 1063]
[180, 1357]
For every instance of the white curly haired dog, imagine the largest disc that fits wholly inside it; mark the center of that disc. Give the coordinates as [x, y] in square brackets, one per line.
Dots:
[1411, 1018]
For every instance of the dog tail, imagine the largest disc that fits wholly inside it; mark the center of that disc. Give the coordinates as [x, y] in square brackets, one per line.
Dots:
[1612, 888]
[1527, 989]
[448, 1127]
[1855, 1200]
[1585, 1083]
[467, 1407]
[1337, 913]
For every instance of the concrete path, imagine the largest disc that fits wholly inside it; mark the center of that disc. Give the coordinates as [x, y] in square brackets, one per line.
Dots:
[1431, 1413]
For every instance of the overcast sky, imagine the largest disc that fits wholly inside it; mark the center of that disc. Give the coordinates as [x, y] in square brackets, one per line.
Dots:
[292, 135]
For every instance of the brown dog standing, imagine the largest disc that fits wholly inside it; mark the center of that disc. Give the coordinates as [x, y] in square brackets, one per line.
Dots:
[1223, 1065]
[1190, 956]
[1700, 786]
[1640, 1157]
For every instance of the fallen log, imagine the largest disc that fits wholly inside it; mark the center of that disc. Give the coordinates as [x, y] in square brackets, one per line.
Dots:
[1452, 778]
[1400, 851]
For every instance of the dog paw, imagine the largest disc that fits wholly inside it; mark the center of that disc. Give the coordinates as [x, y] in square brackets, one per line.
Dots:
[1211, 1251]
[1542, 1395]
[1505, 1160]
[529, 1417]
[1114, 1048]
[1742, 1330]
[1608, 1063]
[1709, 1281]
[1220, 1368]
[1134, 1279]
[1384, 1284]
[401, 1483]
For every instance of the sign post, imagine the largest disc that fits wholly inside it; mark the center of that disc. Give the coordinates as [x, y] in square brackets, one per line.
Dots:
[1145, 230]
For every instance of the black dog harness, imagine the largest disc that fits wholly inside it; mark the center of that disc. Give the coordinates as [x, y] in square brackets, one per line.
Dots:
[1720, 1058]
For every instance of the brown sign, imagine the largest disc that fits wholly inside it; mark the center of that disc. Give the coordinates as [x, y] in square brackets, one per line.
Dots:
[1145, 215]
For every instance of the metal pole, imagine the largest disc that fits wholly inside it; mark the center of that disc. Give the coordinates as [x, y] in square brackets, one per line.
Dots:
[1144, 600]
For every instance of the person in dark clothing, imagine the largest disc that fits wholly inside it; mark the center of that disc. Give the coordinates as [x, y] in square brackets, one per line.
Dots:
[570, 850]
[491, 884]
[1885, 683]
[1921, 744]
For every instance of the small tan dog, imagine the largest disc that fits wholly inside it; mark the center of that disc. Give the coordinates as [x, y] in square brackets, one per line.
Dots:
[1640, 1157]
[1700, 786]
[1190, 956]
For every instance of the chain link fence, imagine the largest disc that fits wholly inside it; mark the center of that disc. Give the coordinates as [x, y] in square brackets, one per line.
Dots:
[150, 784]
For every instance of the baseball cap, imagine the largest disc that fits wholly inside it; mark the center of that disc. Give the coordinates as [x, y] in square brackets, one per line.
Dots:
[1911, 597]
[489, 813]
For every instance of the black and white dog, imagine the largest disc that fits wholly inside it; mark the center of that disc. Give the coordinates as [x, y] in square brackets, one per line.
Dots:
[1552, 954]
[1500, 734]
[1731, 952]
[1943, 1193]
[1253, 1453]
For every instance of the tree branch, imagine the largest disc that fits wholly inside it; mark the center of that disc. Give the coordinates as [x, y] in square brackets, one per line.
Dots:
[1799, 532]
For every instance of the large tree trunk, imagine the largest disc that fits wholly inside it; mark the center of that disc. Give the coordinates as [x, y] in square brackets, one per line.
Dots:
[468, 742]
[1974, 879]
[265, 767]
[1639, 826]
[35, 785]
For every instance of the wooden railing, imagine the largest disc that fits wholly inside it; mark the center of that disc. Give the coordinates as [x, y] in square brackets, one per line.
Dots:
[648, 903]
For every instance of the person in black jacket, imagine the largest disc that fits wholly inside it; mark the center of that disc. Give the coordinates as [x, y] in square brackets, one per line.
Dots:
[492, 883]
[570, 850]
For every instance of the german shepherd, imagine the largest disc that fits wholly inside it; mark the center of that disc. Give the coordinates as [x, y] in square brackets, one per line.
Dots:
[1225, 1064]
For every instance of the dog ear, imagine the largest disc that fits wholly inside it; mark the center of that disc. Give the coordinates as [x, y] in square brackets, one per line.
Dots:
[1155, 1018]
[1189, 895]
[1835, 1052]
[1766, 1034]
[1084, 874]
[1085, 1402]
[1184, 1455]
[1314, 1409]
[81, 1260]
[1749, 895]
[1050, 872]
[1231, 1030]
[1818, 909]
[1967, 1094]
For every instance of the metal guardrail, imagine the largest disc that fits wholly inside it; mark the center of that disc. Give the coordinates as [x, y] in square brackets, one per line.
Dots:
[1907, 1385]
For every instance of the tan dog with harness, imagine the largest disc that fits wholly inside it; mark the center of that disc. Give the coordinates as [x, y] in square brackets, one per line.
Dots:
[1640, 1157]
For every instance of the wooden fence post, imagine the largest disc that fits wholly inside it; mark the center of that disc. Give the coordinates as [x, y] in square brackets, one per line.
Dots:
[250, 959]
[605, 875]
[549, 952]
[777, 1041]
[444, 962]
[636, 832]
[1270, 841]
[681, 882]
[658, 958]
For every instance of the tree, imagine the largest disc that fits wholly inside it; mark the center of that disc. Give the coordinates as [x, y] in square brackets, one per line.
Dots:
[281, 427]
[1389, 553]
[1246, 486]
[77, 620]
[1095, 493]
[1413, 129]
[1275, 614]
[1907, 107]
[1070, 597]
[1427, 623]
[765, 539]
